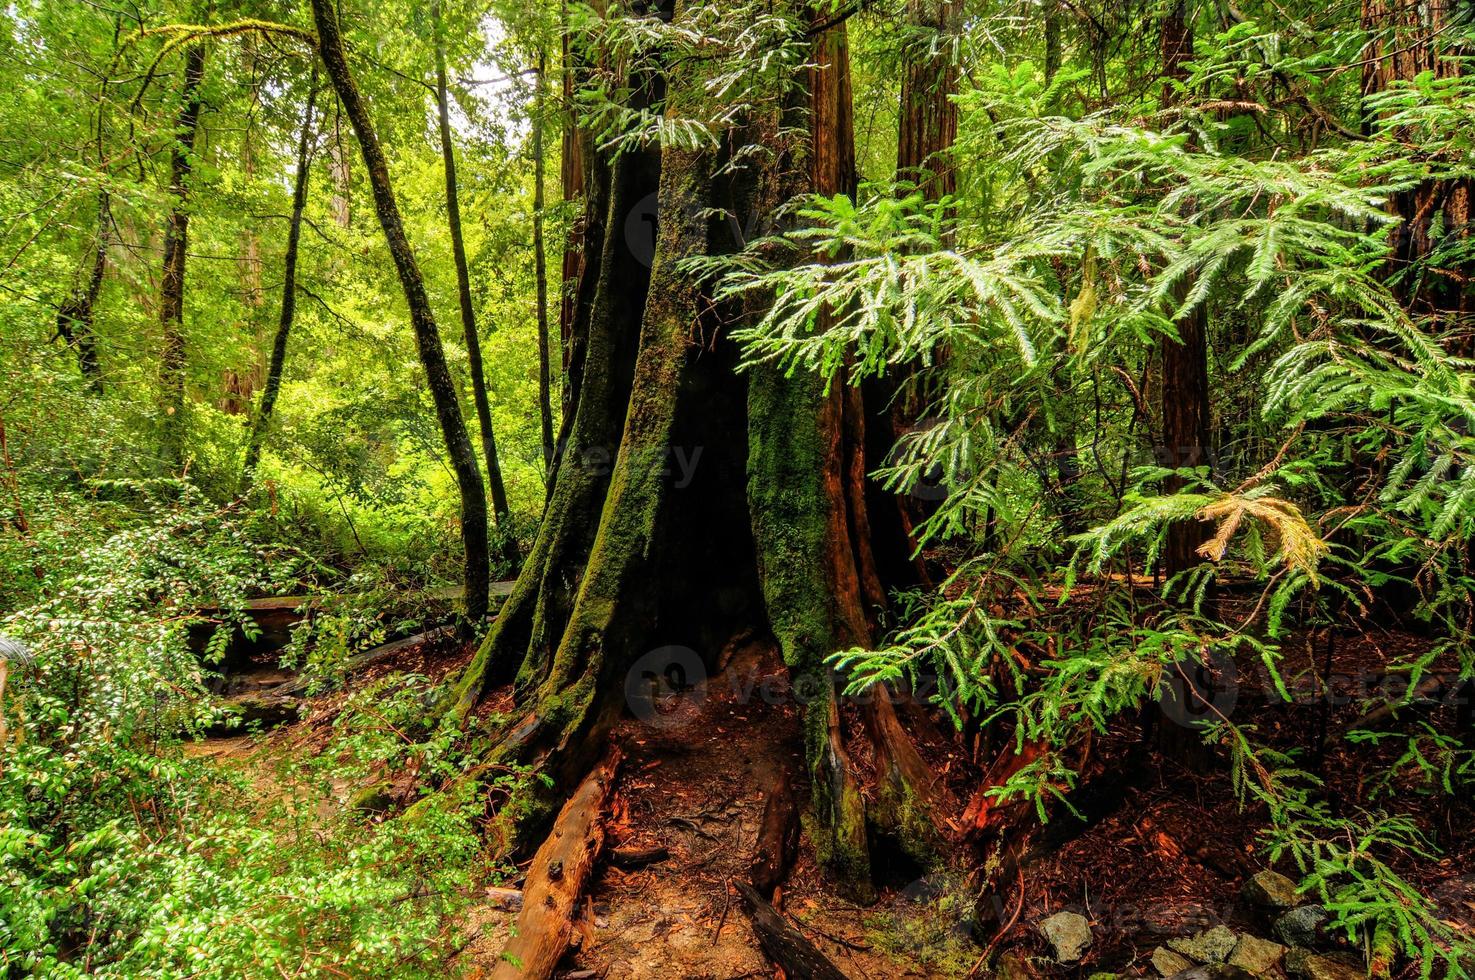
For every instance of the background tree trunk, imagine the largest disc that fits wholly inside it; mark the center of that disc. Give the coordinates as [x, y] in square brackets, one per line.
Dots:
[176, 245]
[463, 293]
[273, 385]
[427, 336]
[74, 318]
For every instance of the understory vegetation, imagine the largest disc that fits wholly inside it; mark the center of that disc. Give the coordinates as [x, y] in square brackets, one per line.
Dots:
[1069, 397]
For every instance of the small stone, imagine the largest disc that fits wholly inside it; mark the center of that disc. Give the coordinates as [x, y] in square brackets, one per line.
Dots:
[1271, 889]
[1301, 926]
[1213, 971]
[1210, 946]
[1069, 935]
[1167, 962]
[1256, 955]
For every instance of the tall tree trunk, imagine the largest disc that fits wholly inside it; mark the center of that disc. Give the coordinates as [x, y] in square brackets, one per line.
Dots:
[1184, 391]
[427, 336]
[273, 385]
[463, 293]
[176, 245]
[929, 117]
[74, 318]
[540, 265]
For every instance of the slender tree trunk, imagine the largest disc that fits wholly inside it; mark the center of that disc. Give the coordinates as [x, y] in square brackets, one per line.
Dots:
[463, 294]
[540, 266]
[273, 385]
[427, 336]
[74, 318]
[176, 245]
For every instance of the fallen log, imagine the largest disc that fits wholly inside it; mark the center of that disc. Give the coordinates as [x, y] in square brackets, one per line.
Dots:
[778, 835]
[784, 944]
[556, 878]
[299, 686]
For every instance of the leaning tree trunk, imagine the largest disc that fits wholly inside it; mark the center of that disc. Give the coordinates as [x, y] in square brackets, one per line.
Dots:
[176, 245]
[427, 336]
[463, 292]
[638, 567]
[74, 318]
[273, 386]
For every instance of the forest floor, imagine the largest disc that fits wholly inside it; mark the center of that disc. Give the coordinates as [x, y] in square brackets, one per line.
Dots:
[1168, 859]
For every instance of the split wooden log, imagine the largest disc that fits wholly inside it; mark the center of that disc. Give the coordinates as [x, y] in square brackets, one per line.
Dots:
[556, 879]
[784, 944]
[778, 835]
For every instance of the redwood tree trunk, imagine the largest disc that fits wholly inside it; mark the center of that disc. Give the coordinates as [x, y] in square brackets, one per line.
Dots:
[176, 246]
[463, 294]
[273, 386]
[635, 558]
[427, 335]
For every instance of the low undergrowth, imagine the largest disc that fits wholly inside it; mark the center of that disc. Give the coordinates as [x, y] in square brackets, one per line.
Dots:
[123, 855]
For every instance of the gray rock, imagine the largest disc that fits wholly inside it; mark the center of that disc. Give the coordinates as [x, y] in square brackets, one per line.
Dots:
[1301, 926]
[1210, 946]
[1069, 935]
[1169, 963]
[1259, 956]
[1271, 889]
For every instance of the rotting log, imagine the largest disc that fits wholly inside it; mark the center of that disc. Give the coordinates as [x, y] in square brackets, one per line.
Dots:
[784, 944]
[556, 879]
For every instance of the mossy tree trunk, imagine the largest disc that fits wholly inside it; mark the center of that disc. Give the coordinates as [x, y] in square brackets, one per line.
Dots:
[176, 247]
[273, 386]
[422, 319]
[692, 500]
